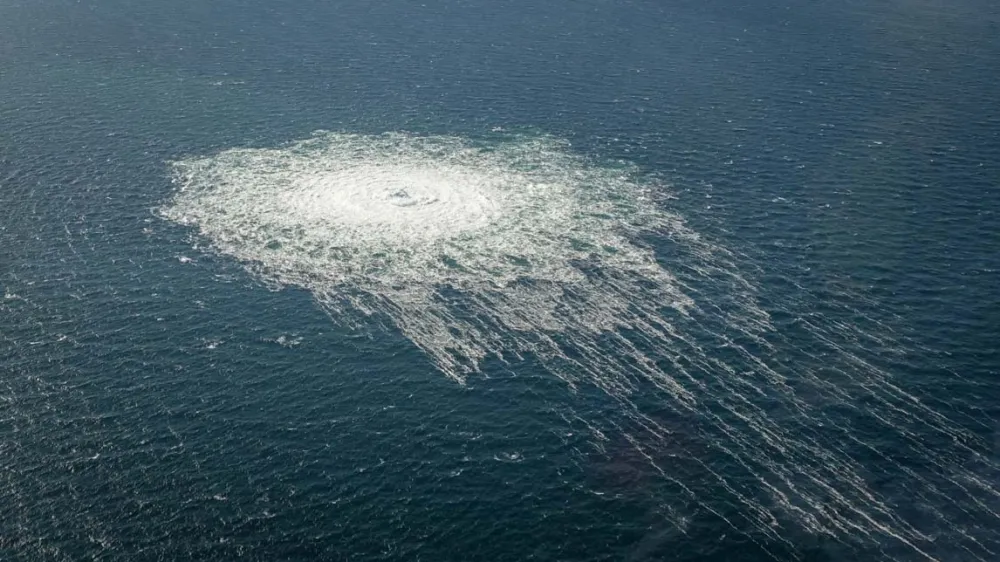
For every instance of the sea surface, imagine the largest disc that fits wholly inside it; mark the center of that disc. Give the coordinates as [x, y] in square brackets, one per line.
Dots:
[793, 357]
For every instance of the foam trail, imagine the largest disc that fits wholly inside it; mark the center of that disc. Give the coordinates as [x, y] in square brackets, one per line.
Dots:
[517, 248]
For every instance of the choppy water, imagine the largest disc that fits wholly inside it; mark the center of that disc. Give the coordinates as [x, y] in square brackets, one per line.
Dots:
[499, 281]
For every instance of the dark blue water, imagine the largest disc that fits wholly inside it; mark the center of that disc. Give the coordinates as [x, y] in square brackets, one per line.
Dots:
[847, 153]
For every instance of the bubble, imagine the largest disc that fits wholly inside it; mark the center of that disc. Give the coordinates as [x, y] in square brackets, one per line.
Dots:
[386, 222]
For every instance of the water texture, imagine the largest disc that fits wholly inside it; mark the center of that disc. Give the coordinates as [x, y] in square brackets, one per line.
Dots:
[499, 281]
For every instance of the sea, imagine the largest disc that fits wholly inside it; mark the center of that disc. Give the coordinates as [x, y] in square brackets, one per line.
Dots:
[500, 280]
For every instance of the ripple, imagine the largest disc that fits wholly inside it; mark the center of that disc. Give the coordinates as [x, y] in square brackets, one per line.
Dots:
[519, 248]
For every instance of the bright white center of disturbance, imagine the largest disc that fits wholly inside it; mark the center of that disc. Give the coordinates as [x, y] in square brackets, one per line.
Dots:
[403, 203]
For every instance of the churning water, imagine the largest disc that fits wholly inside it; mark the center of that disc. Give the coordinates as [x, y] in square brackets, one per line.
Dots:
[518, 247]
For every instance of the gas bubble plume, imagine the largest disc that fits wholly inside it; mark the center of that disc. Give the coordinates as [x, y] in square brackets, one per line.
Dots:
[520, 248]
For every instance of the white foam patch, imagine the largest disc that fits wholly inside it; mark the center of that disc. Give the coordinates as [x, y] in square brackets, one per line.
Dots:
[517, 248]
[386, 222]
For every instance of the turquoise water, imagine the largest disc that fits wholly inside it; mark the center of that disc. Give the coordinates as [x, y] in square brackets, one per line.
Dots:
[831, 176]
